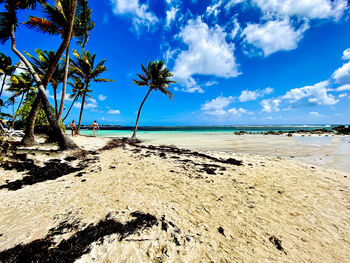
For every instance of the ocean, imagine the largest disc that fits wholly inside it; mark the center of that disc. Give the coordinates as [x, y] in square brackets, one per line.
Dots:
[118, 131]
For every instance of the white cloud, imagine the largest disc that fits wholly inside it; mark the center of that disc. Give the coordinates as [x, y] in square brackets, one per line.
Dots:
[342, 74]
[248, 95]
[217, 104]
[102, 97]
[270, 105]
[346, 54]
[343, 95]
[344, 87]
[141, 16]
[311, 95]
[113, 112]
[208, 54]
[316, 114]
[214, 9]
[90, 104]
[232, 3]
[237, 112]
[303, 8]
[273, 36]
[170, 16]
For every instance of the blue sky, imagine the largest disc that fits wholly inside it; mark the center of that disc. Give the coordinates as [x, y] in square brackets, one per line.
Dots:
[235, 61]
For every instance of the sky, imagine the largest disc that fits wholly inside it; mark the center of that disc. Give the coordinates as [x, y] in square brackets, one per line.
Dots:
[236, 62]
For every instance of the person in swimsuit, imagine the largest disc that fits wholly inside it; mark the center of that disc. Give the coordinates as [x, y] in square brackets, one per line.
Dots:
[73, 128]
[94, 127]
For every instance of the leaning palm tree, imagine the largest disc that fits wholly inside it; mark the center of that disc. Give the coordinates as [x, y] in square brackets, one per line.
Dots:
[42, 63]
[56, 23]
[8, 26]
[83, 66]
[77, 92]
[20, 85]
[155, 77]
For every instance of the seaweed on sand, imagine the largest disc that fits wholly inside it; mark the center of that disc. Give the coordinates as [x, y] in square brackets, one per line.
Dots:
[69, 250]
[51, 170]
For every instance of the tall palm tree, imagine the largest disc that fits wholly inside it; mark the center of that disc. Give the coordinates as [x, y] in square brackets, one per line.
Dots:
[8, 25]
[155, 77]
[77, 92]
[6, 69]
[83, 66]
[42, 63]
[20, 85]
[56, 23]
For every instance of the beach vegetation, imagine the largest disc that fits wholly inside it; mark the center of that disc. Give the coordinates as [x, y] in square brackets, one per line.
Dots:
[155, 77]
[6, 70]
[85, 67]
[8, 26]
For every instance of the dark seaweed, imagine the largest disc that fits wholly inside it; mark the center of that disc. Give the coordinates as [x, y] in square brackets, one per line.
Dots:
[69, 250]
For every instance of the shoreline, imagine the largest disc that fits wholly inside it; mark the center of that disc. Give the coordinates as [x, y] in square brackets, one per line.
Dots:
[183, 205]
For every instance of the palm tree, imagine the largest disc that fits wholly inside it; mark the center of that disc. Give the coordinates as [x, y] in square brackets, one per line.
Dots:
[155, 77]
[42, 63]
[20, 85]
[6, 69]
[84, 67]
[57, 23]
[8, 25]
[77, 92]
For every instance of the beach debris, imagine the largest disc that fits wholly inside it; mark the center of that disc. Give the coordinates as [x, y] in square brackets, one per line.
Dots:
[278, 243]
[51, 170]
[78, 244]
[221, 231]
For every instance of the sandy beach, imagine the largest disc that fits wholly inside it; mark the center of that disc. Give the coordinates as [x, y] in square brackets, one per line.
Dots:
[144, 203]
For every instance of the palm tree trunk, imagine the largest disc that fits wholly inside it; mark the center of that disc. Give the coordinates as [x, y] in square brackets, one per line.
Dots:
[63, 141]
[138, 114]
[63, 95]
[55, 97]
[65, 117]
[3, 84]
[19, 106]
[81, 113]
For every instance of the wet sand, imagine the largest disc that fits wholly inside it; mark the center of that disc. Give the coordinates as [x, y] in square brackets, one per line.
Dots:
[200, 208]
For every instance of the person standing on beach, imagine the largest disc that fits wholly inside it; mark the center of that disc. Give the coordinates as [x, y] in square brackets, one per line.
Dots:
[73, 128]
[94, 127]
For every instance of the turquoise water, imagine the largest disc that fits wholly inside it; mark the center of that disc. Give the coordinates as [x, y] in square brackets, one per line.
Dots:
[127, 131]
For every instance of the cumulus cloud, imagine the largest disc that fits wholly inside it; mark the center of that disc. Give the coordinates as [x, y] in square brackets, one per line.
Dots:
[232, 3]
[270, 105]
[208, 53]
[342, 74]
[113, 111]
[139, 13]
[218, 106]
[214, 9]
[343, 95]
[304, 8]
[346, 54]
[311, 95]
[218, 103]
[273, 36]
[344, 87]
[238, 111]
[249, 95]
[90, 104]
[102, 97]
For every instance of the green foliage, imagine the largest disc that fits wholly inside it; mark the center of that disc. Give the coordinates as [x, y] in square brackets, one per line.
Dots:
[156, 77]
[41, 122]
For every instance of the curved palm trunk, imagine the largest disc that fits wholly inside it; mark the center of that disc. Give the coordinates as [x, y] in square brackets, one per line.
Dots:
[3, 84]
[65, 117]
[55, 97]
[63, 95]
[63, 141]
[138, 114]
[81, 113]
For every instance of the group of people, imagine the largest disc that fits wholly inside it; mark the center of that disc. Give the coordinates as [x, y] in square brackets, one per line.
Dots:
[93, 126]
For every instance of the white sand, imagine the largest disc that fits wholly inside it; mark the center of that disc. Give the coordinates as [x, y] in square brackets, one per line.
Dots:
[308, 209]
